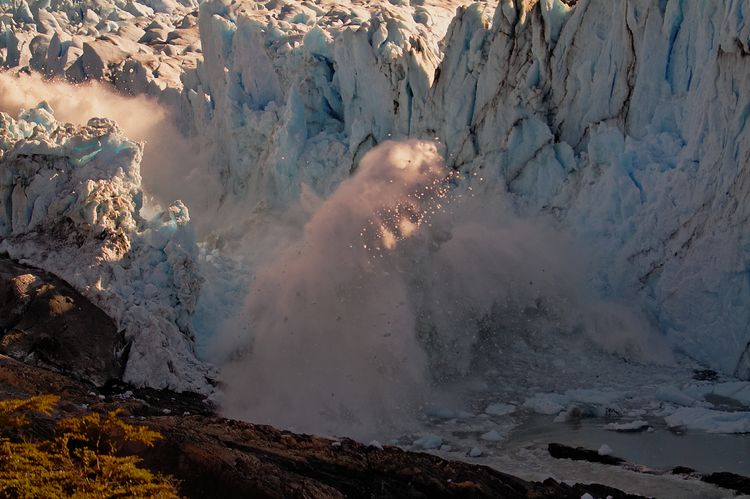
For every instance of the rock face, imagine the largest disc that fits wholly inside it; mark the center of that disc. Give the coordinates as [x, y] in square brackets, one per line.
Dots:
[216, 457]
[70, 203]
[46, 322]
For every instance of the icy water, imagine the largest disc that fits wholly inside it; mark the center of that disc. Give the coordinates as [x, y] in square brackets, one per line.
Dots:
[522, 451]
[660, 449]
[500, 425]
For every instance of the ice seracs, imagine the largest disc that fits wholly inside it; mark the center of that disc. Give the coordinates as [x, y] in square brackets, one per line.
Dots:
[633, 139]
[72, 204]
[626, 122]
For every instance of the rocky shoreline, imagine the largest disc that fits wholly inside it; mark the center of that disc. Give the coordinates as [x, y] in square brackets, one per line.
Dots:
[218, 457]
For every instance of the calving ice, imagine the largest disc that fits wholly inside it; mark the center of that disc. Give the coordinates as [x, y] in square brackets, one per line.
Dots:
[632, 144]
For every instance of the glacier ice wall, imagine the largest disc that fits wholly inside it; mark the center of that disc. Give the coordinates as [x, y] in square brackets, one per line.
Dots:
[71, 203]
[625, 120]
[167, 153]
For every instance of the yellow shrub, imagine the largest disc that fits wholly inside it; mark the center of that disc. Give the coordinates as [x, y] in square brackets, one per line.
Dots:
[83, 460]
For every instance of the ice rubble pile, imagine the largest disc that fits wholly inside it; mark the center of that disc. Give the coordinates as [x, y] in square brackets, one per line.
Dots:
[716, 407]
[71, 203]
[625, 120]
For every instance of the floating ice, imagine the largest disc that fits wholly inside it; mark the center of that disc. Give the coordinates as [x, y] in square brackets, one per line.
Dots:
[638, 425]
[699, 418]
[604, 450]
[491, 436]
[428, 442]
[499, 409]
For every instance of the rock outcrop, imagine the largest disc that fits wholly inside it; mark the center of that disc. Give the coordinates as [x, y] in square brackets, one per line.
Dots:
[44, 321]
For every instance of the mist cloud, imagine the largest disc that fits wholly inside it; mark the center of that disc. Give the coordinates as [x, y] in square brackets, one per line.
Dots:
[361, 304]
[352, 327]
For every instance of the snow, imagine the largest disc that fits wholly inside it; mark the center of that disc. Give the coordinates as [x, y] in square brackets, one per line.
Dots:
[605, 450]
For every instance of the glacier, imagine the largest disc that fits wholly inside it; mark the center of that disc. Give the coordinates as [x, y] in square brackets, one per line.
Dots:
[624, 122]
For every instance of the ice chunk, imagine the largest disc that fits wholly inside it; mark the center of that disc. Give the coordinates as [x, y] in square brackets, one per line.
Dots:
[674, 395]
[699, 418]
[491, 436]
[428, 442]
[375, 444]
[639, 425]
[549, 403]
[499, 409]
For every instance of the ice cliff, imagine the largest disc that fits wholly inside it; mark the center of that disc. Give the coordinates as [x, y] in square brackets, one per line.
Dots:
[625, 121]
[71, 203]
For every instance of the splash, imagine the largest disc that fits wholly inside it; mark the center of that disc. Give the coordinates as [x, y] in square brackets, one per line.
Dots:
[362, 305]
[392, 285]
[326, 337]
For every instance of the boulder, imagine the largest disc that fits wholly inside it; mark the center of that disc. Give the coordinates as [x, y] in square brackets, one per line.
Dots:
[44, 321]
